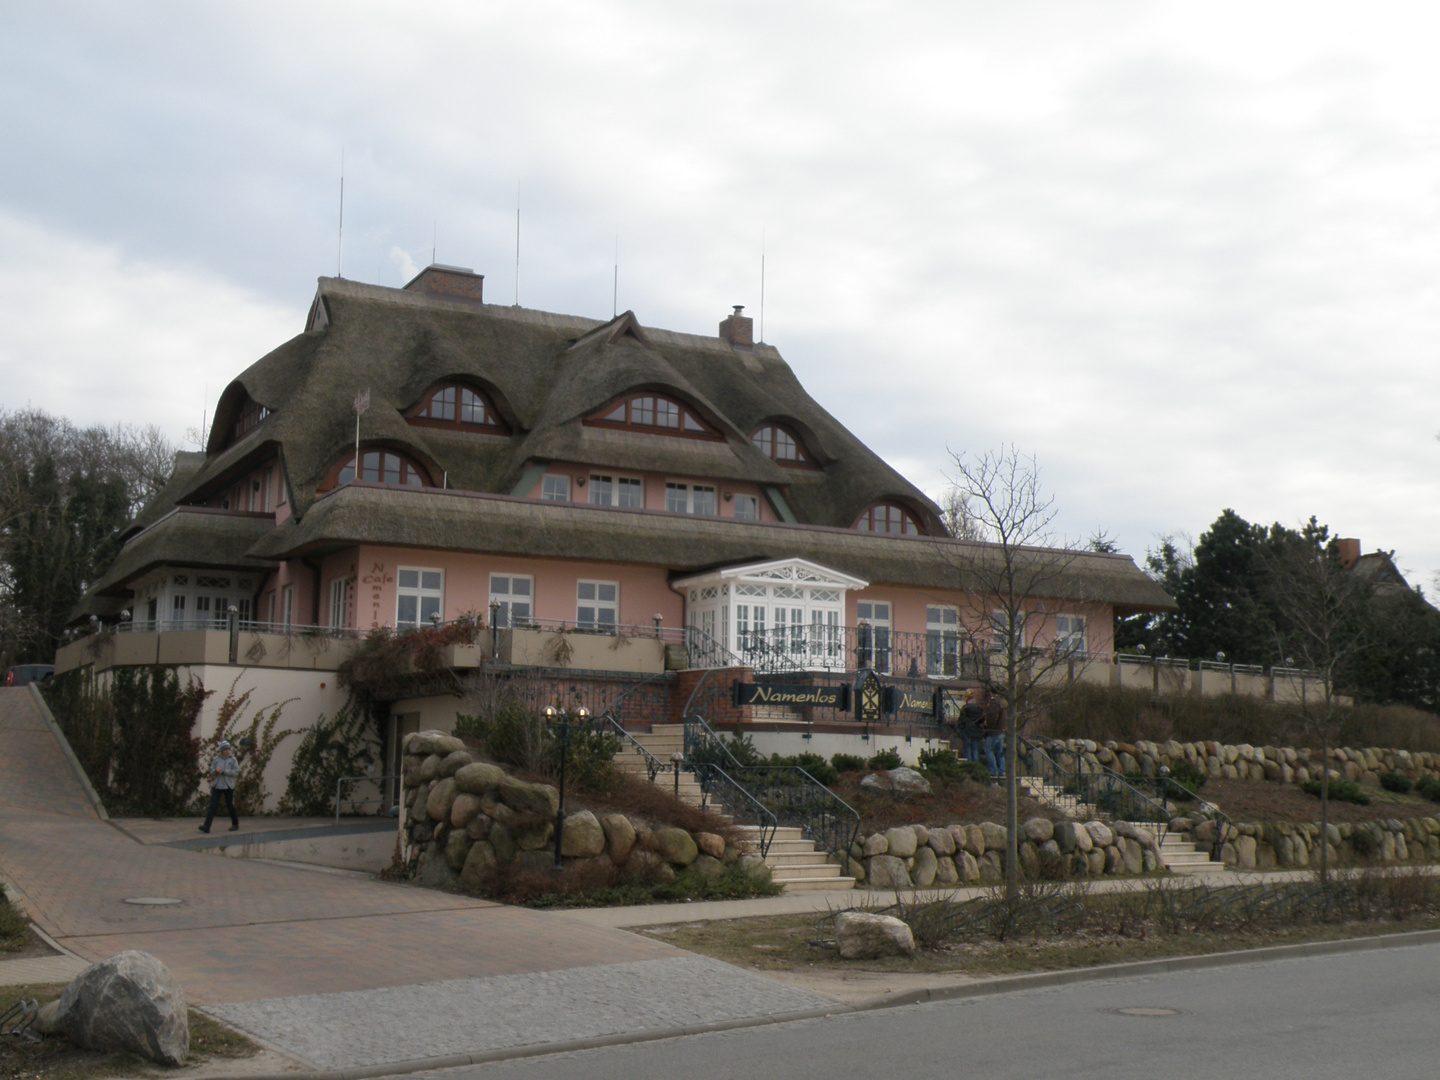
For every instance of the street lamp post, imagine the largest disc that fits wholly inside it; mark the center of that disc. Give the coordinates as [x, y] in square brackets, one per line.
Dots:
[552, 714]
[494, 629]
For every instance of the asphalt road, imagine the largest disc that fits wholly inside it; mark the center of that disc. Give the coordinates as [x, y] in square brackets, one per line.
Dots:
[1373, 1013]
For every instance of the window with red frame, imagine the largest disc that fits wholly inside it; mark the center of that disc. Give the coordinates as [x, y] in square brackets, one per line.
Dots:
[655, 413]
[779, 444]
[460, 406]
[384, 467]
[888, 518]
[251, 413]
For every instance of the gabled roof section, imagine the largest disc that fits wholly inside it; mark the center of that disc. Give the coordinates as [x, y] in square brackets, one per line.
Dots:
[615, 331]
[795, 571]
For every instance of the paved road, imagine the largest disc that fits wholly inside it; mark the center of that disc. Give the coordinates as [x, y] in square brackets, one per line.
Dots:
[1344, 1016]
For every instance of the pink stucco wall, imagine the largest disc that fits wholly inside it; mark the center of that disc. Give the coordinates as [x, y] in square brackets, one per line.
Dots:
[908, 614]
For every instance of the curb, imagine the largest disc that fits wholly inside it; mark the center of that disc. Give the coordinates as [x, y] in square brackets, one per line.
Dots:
[49, 718]
[991, 987]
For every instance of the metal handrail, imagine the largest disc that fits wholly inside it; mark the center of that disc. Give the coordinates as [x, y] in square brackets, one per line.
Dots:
[1106, 791]
[1224, 827]
[800, 801]
[716, 783]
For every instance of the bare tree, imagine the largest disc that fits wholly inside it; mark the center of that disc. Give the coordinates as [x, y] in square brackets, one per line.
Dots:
[958, 517]
[1321, 613]
[1017, 582]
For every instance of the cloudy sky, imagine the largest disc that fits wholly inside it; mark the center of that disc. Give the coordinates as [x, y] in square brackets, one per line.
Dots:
[1185, 254]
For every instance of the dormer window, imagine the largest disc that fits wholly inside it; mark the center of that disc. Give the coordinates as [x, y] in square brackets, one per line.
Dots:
[780, 445]
[457, 405]
[652, 412]
[250, 416]
[380, 467]
[888, 518]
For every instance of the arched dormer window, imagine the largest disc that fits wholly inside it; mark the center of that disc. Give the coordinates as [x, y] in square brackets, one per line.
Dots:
[781, 445]
[456, 405]
[887, 517]
[655, 413]
[251, 413]
[380, 466]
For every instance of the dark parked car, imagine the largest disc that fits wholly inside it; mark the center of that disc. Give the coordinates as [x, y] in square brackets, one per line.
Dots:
[21, 674]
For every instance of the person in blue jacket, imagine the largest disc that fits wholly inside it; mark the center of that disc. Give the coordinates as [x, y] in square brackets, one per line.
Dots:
[223, 771]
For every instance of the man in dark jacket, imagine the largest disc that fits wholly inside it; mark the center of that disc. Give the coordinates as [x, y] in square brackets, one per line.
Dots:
[223, 771]
[994, 732]
[972, 722]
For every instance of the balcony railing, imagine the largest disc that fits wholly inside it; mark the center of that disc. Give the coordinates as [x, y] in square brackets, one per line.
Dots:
[822, 648]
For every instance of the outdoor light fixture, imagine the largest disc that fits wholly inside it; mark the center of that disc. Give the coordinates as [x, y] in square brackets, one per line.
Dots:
[435, 619]
[580, 481]
[125, 615]
[1220, 656]
[657, 618]
[552, 715]
[677, 759]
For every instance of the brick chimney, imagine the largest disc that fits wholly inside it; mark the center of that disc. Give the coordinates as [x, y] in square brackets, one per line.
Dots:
[449, 283]
[738, 329]
[1349, 551]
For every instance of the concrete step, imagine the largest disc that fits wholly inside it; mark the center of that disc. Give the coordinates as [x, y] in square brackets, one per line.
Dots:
[815, 884]
[796, 858]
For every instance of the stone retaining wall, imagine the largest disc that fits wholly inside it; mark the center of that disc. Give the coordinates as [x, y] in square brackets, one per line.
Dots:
[1296, 845]
[1285, 764]
[464, 816]
[915, 856]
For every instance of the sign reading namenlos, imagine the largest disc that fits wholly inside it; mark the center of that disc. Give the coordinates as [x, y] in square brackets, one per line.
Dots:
[824, 697]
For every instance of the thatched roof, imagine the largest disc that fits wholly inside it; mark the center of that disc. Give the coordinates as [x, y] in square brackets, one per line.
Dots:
[187, 536]
[457, 521]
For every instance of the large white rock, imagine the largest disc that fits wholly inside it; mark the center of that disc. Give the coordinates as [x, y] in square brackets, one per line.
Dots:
[863, 936]
[128, 1003]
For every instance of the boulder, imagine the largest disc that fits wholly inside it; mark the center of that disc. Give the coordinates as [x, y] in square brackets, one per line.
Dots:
[945, 872]
[1038, 829]
[968, 867]
[465, 809]
[855, 869]
[535, 862]
[903, 779]
[502, 842]
[1029, 859]
[646, 864]
[922, 835]
[457, 847]
[1114, 863]
[531, 833]
[974, 841]
[676, 845]
[754, 868]
[1132, 853]
[47, 1020]
[619, 836]
[582, 837]
[875, 844]
[480, 859]
[1245, 852]
[941, 841]
[435, 872]
[993, 835]
[886, 872]
[430, 767]
[478, 778]
[863, 936]
[129, 1003]
[1100, 833]
[441, 797]
[901, 842]
[924, 870]
[1065, 836]
[710, 844]
[990, 869]
[1095, 859]
[479, 827]
[453, 762]
[707, 865]
[528, 798]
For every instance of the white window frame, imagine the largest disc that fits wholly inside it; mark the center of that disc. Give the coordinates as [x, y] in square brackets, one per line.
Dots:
[616, 484]
[287, 606]
[509, 597]
[420, 592]
[597, 604]
[747, 500]
[339, 595]
[879, 650]
[942, 641]
[1072, 639]
[999, 631]
[555, 487]
[690, 490]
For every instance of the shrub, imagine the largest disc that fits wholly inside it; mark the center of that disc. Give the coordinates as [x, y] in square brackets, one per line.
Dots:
[344, 745]
[254, 746]
[156, 762]
[944, 764]
[1396, 781]
[591, 761]
[1190, 777]
[847, 762]
[1340, 791]
[1429, 786]
[818, 768]
[886, 759]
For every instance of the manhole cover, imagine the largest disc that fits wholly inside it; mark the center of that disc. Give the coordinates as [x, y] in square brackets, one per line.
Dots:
[151, 901]
[1147, 1010]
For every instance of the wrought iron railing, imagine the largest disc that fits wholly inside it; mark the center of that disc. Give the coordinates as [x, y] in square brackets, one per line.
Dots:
[788, 794]
[821, 647]
[610, 720]
[1168, 786]
[1110, 794]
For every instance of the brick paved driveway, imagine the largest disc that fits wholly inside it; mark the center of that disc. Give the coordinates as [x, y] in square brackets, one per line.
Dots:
[247, 930]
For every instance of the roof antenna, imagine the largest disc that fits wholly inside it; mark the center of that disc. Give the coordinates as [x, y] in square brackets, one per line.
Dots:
[615, 295]
[434, 236]
[517, 244]
[762, 286]
[340, 248]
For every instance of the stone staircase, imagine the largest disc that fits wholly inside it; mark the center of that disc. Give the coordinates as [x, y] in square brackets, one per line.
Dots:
[1182, 856]
[1050, 795]
[793, 860]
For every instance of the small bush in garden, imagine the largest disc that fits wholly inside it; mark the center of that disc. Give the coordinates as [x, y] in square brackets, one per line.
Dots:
[1340, 791]
[1189, 776]
[1429, 786]
[591, 762]
[820, 769]
[942, 763]
[1396, 781]
[886, 759]
[847, 762]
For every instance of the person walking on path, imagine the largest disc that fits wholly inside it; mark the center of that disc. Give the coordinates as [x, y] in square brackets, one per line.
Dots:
[223, 771]
[972, 723]
[994, 730]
